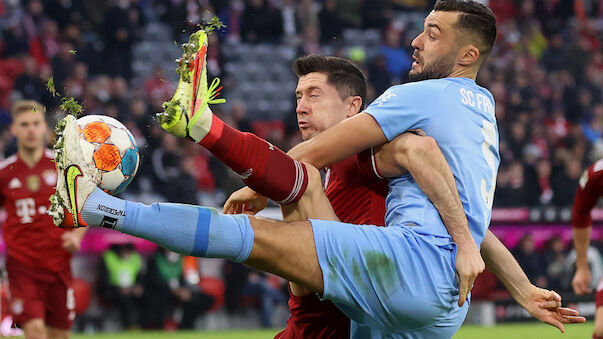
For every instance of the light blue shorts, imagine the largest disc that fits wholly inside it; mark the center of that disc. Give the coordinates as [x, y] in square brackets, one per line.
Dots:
[391, 281]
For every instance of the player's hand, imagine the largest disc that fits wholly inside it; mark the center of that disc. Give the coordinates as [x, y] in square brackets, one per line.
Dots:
[545, 306]
[469, 264]
[581, 281]
[245, 201]
[72, 241]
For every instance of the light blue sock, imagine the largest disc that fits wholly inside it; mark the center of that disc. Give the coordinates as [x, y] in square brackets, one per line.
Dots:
[192, 230]
[104, 210]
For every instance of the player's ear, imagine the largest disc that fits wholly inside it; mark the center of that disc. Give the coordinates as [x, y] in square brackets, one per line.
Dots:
[468, 55]
[353, 105]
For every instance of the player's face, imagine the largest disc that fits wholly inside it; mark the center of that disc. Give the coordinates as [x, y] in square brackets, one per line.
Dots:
[319, 105]
[30, 129]
[435, 48]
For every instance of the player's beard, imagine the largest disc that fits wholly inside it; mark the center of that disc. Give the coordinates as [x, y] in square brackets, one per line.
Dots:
[439, 69]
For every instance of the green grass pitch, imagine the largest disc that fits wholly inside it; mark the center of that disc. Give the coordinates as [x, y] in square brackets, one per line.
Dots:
[507, 331]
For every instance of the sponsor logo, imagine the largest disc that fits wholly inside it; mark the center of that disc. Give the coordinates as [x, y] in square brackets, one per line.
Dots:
[71, 175]
[14, 183]
[26, 209]
[110, 210]
[108, 222]
[245, 175]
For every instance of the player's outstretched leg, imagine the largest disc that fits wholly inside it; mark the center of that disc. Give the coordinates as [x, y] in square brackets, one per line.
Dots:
[256, 161]
[274, 246]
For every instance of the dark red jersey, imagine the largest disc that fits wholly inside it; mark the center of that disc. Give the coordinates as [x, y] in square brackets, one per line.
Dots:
[358, 197]
[589, 190]
[355, 190]
[31, 238]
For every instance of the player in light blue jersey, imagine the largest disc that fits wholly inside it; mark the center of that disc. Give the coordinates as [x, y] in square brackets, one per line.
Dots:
[393, 282]
[459, 115]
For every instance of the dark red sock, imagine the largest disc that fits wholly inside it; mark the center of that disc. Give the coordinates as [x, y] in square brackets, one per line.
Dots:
[263, 167]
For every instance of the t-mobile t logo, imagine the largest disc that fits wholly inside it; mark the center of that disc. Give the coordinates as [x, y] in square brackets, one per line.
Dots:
[25, 208]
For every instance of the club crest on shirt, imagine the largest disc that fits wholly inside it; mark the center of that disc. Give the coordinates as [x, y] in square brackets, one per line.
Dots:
[49, 177]
[33, 183]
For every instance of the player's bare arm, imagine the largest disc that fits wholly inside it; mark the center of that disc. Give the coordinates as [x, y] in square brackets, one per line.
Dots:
[422, 157]
[582, 277]
[340, 141]
[72, 240]
[584, 201]
[542, 304]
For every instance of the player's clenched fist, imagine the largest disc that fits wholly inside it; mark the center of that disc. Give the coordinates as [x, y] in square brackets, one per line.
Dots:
[245, 201]
[469, 264]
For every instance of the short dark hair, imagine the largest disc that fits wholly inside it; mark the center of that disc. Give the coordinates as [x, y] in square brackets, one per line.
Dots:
[475, 18]
[347, 78]
[23, 106]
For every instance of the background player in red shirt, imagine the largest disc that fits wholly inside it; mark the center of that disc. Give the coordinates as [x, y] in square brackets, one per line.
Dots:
[589, 190]
[38, 254]
[329, 85]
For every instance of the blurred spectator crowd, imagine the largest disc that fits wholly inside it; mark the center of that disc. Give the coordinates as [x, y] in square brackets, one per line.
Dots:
[549, 265]
[117, 58]
[545, 73]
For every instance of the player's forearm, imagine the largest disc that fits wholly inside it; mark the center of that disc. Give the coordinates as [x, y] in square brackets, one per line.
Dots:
[346, 138]
[501, 262]
[428, 167]
[581, 243]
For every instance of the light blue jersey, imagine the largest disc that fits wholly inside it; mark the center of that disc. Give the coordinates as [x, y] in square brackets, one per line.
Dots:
[459, 115]
[399, 282]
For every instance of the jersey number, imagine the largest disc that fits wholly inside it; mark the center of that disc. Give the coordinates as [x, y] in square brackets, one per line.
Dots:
[489, 132]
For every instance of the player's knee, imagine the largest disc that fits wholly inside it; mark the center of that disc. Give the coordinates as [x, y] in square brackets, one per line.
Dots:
[57, 334]
[34, 330]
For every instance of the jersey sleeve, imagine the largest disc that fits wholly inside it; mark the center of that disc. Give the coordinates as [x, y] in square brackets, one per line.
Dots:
[587, 194]
[402, 108]
[367, 165]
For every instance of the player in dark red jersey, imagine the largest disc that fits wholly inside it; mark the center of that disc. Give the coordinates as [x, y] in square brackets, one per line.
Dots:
[354, 187]
[38, 254]
[351, 177]
[589, 190]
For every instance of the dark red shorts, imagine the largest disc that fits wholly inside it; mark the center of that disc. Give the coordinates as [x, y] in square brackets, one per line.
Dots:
[312, 318]
[48, 296]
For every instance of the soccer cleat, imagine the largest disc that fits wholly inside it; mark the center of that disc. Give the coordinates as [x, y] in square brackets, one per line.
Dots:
[187, 114]
[76, 177]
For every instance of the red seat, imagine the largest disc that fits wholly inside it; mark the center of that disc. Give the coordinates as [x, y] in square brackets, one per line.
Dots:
[214, 287]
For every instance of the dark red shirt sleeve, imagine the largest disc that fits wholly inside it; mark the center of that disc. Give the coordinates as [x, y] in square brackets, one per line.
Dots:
[589, 190]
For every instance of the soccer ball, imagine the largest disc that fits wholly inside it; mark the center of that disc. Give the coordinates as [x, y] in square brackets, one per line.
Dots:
[110, 147]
